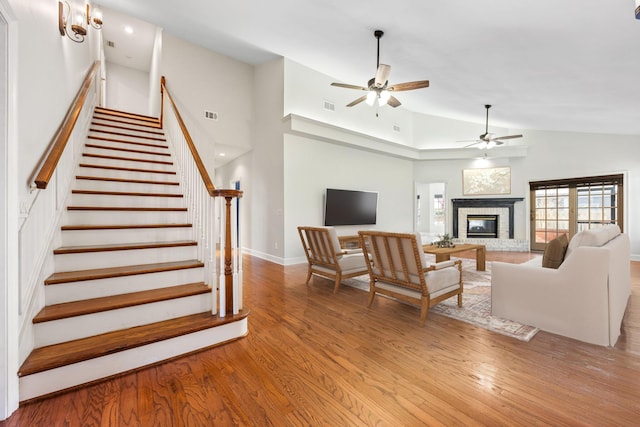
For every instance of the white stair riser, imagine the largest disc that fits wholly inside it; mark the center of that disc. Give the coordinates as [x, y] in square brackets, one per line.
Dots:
[153, 146]
[129, 163]
[107, 152]
[131, 132]
[87, 289]
[106, 118]
[127, 235]
[57, 331]
[92, 260]
[99, 185]
[124, 174]
[53, 380]
[133, 200]
[123, 217]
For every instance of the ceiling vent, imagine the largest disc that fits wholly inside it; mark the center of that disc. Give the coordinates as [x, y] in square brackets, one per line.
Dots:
[329, 106]
[110, 43]
[396, 128]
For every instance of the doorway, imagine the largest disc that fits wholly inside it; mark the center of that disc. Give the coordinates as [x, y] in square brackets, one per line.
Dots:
[430, 210]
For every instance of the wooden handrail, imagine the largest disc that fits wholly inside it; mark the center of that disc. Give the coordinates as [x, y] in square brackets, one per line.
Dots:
[61, 137]
[206, 179]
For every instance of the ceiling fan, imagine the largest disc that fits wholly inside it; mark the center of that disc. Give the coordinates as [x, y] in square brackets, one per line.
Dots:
[378, 89]
[487, 140]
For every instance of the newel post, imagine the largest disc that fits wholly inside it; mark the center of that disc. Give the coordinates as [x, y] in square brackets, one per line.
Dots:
[163, 81]
[229, 293]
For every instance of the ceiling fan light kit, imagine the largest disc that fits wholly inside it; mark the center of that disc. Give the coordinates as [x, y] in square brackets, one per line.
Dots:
[378, 89]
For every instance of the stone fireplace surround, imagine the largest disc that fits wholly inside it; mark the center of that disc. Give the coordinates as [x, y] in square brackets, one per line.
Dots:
[503, 207]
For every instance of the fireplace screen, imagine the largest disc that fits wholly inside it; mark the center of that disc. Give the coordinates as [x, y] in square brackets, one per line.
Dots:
[482, 226]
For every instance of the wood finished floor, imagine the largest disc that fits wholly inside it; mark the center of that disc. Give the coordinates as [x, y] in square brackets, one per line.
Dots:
[313, 358]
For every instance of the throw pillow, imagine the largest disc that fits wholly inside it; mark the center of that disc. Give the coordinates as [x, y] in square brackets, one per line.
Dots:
[554, 252]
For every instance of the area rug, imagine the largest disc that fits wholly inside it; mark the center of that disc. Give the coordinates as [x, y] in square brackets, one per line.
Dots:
[476, 303]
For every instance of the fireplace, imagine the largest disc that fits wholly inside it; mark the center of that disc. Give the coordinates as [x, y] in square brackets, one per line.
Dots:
[481, 206]
[482, 226]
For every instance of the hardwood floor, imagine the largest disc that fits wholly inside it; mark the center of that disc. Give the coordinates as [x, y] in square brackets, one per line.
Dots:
[315, 358]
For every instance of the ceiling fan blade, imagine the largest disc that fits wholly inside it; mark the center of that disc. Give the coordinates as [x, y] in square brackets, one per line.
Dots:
[506, 137]
[349, 86]
[393, 101]
[357, 101]
[409, 85]
[471, 145]
[382, 75]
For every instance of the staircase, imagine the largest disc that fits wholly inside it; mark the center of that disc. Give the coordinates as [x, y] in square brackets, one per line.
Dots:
[128, 290]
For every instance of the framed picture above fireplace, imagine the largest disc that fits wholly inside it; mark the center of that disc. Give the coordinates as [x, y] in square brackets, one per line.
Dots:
[486, 181]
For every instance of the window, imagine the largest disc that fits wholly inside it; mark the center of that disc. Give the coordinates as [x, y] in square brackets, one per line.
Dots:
[572, 205]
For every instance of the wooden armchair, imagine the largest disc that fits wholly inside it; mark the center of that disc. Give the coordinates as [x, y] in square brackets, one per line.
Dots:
[326, 258]
[398, 269]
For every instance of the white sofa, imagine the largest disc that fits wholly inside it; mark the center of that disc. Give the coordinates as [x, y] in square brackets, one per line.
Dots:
[584, 299]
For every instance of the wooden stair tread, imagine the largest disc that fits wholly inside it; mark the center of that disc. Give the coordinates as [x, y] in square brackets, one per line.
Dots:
[126, 193]
[119, 113]
[110, 132]
[127, 150]
[112, 119]
[114, 302]
[121, 226]
[57, 355]
[122, 247]
[133, 181]
[122, 141]
[153, 132]
[117, 168]
[124, 209]
[129, 159]
[129, 270]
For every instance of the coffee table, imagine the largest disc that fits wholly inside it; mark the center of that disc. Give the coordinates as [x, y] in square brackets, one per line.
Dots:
[444, 254]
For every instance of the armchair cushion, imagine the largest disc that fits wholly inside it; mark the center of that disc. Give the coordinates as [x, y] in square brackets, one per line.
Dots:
[333, 237]
[554, 252]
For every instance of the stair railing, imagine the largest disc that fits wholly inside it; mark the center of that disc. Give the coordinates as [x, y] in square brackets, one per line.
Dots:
[222, 256]
[41, 210]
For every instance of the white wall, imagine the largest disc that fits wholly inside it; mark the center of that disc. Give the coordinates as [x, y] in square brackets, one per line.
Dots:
[305, 93]
[566, 155]
[200, 80]
[127, 89]
[450, 172]
[154, 75]
[553, 155]
[49, 70]
[312, 166]
[265, 236]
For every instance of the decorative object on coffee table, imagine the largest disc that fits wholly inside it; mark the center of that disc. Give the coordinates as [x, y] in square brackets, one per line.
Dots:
[444, 242]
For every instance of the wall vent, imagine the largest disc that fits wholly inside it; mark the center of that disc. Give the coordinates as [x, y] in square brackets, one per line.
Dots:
[211, 115]
[329, 106]
[110, 43]
[396, 128]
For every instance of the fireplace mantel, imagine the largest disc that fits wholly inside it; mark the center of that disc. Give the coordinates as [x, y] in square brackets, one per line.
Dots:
[497, 202]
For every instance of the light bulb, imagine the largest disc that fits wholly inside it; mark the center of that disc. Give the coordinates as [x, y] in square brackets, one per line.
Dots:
[371, 97]
[384, 97]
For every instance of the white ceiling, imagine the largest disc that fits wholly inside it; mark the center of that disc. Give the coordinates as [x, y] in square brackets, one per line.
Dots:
[133, 49]
[571, 65]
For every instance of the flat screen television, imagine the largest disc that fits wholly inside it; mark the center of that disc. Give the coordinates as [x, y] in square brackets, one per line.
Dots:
[350, 207]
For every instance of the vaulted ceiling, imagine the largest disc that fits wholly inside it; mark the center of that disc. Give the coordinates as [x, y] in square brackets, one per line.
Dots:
[570, 65]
